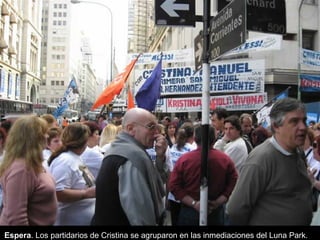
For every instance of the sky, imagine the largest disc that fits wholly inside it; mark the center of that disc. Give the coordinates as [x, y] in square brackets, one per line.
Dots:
[94, 21]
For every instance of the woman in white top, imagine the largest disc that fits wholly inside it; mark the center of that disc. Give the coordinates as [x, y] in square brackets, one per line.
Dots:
[76, 199]
[92, 156]
[313, 163]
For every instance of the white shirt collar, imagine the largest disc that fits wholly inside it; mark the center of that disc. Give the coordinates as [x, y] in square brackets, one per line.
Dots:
[278, 147]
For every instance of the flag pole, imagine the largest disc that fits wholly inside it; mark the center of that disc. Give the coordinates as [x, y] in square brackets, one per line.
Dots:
[102, 109]
[150, 91]
[270, 101]
[115, 87]
[157, 111]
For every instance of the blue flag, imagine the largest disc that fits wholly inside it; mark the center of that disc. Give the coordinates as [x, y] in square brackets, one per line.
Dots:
[70, 96]
[149, 92]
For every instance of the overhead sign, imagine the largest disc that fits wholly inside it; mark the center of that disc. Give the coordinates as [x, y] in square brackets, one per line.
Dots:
[228, 29]
[263, 43]
[175, 12]
[180, 55]
[264, 15]
[198, 51]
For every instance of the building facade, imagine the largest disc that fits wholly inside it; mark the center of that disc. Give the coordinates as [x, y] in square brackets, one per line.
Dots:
[56, 69]
[20, 49]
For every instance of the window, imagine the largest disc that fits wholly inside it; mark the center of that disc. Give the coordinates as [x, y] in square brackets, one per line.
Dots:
[308, 39]
[1, 80]
[312, 2]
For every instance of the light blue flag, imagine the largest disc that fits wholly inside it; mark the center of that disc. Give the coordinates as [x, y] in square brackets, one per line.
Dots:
[263, 113]
[70, 96]
[150, 91]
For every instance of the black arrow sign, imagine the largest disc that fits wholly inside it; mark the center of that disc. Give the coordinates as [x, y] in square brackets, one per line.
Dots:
[175, 12]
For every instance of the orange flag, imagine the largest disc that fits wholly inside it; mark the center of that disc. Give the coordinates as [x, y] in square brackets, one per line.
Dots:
[130, 99]
[115, 87]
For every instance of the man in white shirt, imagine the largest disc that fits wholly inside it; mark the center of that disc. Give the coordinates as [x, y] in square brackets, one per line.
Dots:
[232, 143]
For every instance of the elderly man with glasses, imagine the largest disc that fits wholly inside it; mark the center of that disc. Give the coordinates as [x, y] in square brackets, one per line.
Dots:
[129, 188]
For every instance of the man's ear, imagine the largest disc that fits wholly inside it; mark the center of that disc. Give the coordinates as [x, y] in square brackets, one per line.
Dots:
[129, 128]
[275, 126]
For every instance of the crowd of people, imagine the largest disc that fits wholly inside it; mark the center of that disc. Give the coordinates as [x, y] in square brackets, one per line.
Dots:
[147, 171]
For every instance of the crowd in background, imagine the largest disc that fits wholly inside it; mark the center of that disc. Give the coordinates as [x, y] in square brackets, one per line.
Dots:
[140, 170]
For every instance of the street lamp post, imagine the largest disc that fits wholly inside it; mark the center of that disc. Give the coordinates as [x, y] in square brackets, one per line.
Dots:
[299, 48]
[111, 35]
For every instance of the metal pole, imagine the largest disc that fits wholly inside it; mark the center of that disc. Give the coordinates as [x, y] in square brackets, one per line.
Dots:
[203, 216]
[299, 48]
[111, 35]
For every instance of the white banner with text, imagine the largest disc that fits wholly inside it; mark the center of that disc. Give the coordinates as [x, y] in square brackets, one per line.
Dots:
[243, 76]
[243, 102]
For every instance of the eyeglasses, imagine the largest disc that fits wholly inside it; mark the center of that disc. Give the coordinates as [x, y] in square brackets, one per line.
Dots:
[314, 145]
[151, 127]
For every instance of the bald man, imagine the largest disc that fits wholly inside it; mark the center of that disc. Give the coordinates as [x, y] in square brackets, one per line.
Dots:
[129, 189]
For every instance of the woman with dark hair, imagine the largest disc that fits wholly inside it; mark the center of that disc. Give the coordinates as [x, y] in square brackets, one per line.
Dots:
[259, 135]
[74, 189]
[184, 143]
[171, 131]
[92, 156]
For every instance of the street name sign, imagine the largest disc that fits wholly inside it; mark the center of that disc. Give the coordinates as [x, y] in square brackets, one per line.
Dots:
[227, 29]
[175, 12]
[267, 16]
